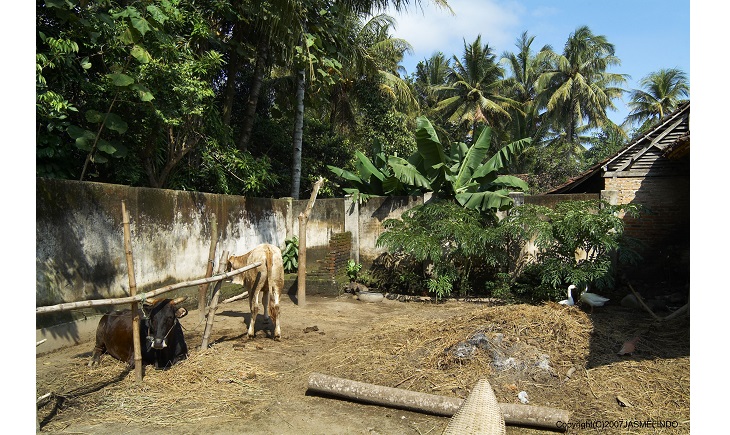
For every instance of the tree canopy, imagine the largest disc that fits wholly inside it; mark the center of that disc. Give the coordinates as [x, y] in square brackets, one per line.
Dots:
[258, 98]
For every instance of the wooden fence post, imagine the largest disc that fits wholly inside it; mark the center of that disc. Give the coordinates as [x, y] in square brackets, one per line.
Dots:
[302, 255]
[213, 303]
[132, 292]
[203, 289]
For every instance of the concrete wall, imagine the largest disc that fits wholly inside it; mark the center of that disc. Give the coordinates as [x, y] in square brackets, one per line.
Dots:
[80, 246]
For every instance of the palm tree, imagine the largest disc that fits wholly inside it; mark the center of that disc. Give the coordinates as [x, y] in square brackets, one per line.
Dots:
[577, 89]
[473, 95]
[372, 55]
[298, 13]
[521, 85]
[430, 73]
[661, 92]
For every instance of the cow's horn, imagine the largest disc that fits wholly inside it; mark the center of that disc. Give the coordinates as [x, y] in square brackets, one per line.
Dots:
[178, 300]
[149, 301]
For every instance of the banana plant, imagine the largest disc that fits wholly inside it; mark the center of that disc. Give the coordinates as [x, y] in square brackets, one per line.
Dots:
[461, 174]
[378, 178]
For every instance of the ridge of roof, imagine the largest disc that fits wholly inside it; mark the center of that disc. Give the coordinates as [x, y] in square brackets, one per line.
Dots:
[578, 179]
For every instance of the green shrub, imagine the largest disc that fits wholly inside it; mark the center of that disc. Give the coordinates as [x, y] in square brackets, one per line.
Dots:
[290, 256]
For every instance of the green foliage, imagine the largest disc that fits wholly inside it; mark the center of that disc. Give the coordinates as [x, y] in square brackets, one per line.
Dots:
[352, 269]
[441, 286]
[290, 255]
[462, 174]
[459, 242]
[577, 240]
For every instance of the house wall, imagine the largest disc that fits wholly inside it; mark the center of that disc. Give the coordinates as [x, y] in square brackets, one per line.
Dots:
[665, 203]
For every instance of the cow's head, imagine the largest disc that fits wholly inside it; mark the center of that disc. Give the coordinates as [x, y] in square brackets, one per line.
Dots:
[162, 318]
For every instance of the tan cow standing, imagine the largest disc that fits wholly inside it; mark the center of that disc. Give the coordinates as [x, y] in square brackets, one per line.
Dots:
[267, 278]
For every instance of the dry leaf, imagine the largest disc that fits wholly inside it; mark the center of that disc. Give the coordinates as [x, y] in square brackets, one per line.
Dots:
[624, 402]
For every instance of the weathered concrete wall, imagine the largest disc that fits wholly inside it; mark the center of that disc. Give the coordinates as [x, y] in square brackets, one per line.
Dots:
[370, 225]
[80, 247]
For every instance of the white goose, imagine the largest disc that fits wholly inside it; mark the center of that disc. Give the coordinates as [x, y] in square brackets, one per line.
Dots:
[569, 301]
[593, 299]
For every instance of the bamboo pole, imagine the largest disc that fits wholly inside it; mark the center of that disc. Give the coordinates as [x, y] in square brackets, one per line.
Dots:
[302, 269]
[514, 414]
[235, 298]
[142, 296]
[203, 290]
[213, 304]
[138, 369]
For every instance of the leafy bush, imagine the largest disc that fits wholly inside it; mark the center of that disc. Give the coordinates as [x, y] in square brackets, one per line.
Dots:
[577, 241]
[459, 242]
[352, 269]
[290, 256]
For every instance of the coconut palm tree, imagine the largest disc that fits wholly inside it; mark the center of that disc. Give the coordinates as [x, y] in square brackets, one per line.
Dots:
[661, 92]
[373, 55]
[430, 73]
[474, 93]
[577, 89]
[297, 14]
[521, 85]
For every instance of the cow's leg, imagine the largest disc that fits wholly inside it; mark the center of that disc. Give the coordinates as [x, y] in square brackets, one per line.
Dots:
[99, 346]
[96, 355]
[253, 304]
[275, 318]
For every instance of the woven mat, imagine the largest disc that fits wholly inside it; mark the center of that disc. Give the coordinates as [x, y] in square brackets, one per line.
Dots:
[479, 414]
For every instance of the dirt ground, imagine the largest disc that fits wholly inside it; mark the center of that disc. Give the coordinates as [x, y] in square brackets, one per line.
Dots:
[260, 386]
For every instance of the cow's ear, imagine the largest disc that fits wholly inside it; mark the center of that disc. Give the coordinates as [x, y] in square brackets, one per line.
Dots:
[181, 312]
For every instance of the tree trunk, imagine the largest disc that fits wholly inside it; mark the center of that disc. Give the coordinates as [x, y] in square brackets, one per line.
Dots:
[234, 65]
[138, 369]
[296, 171]
[262, 53]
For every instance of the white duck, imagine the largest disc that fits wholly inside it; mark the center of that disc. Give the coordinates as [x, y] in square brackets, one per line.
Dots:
[570, 300]
[592, 299]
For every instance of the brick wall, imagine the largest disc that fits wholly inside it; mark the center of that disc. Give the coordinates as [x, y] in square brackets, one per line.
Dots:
[332, 266]
[666, 206]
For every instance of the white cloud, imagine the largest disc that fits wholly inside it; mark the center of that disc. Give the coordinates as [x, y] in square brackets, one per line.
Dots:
[435, 29]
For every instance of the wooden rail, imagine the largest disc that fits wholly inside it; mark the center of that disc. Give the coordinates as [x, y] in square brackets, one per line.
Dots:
[141, 296]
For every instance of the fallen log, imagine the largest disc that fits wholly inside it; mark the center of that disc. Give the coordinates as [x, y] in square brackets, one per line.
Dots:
[141, 296]
[514, 414]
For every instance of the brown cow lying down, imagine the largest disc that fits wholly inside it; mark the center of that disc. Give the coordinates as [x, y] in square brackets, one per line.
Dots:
[267, 278]
[161, 338]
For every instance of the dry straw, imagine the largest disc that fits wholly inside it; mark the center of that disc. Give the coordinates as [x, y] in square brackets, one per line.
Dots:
[581, 371]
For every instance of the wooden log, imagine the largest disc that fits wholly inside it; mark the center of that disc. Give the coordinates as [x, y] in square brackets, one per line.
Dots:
[203, 289]
[138, 369]
[235, 298]
[641, 302]
[683, 309]
[514, 414]
[213, 303]
[302, 254]
[142, 296]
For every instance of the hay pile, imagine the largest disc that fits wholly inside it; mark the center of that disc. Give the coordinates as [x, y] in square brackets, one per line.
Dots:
[419, 353]
[585, 374]
[214, 385]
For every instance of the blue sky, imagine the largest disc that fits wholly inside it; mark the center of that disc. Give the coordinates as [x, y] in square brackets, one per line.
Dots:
[648, 34]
